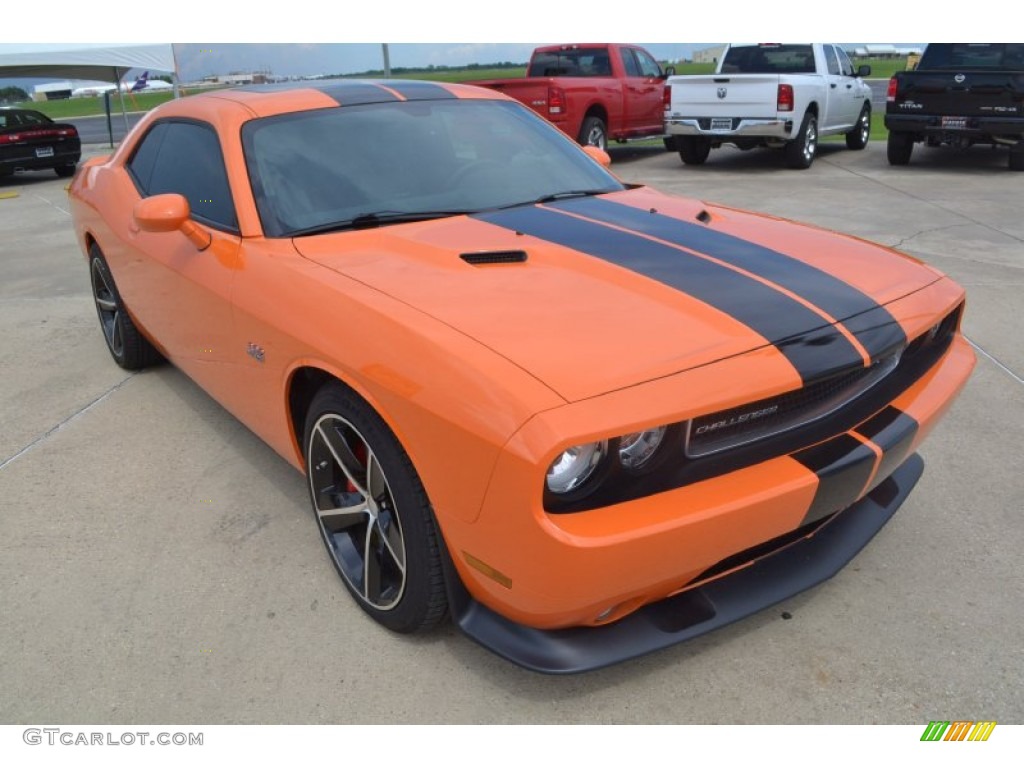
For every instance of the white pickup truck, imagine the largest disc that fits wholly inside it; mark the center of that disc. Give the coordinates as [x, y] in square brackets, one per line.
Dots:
[769, 95]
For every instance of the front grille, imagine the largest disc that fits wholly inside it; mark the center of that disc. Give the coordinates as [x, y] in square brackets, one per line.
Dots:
[753, 421]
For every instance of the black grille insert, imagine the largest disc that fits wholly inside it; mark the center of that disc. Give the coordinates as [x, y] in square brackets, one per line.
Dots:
[494, 257]
[753, 421]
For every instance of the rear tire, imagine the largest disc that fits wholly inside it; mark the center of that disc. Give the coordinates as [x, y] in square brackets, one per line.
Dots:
[800, 152]
[1017, 156]
[693, 150]
[65, 171]
[860, 135]
[129, 348]
[899, 148]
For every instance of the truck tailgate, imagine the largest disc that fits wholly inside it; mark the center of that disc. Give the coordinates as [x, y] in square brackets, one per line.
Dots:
[964, 94]
[725, 95]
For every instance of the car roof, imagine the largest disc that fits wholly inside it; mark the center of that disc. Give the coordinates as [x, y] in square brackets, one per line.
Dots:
[278, 98]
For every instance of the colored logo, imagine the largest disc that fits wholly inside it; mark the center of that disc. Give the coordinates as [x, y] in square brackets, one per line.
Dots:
[958, 730]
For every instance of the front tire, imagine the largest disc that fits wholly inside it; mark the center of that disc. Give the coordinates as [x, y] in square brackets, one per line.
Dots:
[129, 348]
[899, 148]
[373, 512]
[860, 135]
[800, 151]
[594, 133]
[693, 150]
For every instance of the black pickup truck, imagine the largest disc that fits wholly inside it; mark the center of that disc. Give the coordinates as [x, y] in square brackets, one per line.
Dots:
[960, 94]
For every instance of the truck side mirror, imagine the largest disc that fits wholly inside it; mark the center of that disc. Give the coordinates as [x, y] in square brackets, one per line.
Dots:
[864, 70]
[669, 72]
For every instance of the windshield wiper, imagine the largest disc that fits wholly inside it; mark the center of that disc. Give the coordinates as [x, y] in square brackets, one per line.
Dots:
[376, 219]
[566, 195]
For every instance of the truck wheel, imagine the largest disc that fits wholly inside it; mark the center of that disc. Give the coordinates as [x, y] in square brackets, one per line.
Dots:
[693, 150]
[800, 151]
[1017, 156]
[858, 137]
[593, 133]
[899, 148]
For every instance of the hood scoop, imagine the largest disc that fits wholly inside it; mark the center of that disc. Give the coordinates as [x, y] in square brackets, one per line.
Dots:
[488, 258]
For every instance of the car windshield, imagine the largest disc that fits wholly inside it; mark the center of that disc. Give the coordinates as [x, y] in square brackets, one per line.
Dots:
[374, 164]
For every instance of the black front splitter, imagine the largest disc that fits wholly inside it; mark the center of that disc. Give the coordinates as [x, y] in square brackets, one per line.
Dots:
[774, 577]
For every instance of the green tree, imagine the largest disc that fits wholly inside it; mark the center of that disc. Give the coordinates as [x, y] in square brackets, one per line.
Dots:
[12, 94]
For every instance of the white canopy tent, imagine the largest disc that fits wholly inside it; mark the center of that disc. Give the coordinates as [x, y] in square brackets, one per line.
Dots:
[107, 63]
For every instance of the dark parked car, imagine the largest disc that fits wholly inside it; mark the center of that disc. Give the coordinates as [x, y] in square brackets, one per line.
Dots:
[30, 141]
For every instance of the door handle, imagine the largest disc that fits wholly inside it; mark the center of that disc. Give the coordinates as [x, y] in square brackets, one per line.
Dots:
[832, 85]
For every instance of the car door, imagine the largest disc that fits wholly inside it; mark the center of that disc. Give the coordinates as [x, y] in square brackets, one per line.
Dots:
[182, 294]
[855, 91]
[644, 89]
[842, 104]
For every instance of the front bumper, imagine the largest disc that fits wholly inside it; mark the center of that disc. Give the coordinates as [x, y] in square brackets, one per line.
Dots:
[736, 595]
[740, 128]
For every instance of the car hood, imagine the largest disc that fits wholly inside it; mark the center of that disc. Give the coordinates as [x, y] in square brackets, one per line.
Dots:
[596, 294]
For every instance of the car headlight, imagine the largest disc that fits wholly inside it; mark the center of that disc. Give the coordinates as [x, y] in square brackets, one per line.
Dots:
[637, 448]
[573, 467]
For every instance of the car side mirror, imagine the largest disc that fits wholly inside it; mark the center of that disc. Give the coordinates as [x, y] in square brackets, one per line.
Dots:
[170, 213]
[598, 154]
[864, 70]
[669, 72]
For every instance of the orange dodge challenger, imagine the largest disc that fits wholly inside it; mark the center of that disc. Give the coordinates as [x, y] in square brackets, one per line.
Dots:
[585, 419]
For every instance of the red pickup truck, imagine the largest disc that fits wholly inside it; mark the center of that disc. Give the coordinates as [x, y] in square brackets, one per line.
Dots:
[593, 91]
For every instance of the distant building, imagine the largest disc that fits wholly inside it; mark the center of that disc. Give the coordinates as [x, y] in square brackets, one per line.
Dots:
[708, 55]
[239, 78]
[52, 91]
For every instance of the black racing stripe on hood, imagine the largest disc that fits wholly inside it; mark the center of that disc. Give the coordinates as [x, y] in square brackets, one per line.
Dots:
[843, 466]
[827, 292]
[814, 348]
[348, 94]
[420, 91]
[893, 431]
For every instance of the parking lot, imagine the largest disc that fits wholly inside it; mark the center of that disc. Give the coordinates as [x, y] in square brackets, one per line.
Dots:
[159, 564]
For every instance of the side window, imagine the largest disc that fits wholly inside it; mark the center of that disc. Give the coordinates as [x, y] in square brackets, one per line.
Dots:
[648, 66]
[188, 161]
[833, 62]
[845, 63]
[141, 164]
[629, 62]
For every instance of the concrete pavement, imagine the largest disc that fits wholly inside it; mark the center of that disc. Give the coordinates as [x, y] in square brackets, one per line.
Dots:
[159, 564]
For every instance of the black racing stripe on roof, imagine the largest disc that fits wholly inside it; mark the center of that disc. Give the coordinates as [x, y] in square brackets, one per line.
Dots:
[345, 92]
[814, 348]
[414, 90]
[827, 292]
[348, 94]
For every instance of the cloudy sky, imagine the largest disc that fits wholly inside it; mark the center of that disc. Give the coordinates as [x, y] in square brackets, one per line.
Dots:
[345, 37]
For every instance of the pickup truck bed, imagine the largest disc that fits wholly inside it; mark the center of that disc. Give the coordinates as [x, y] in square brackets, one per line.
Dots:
[593, 92]
[770, 95]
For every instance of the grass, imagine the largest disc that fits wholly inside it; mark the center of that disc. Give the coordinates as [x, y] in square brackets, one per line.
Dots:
[93, 105]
